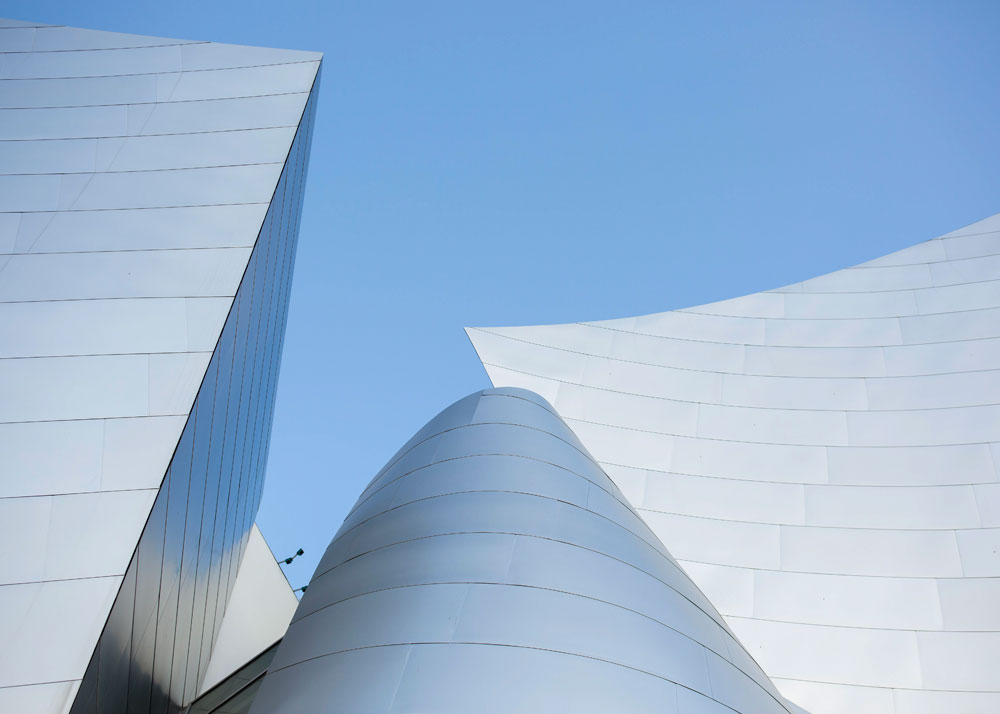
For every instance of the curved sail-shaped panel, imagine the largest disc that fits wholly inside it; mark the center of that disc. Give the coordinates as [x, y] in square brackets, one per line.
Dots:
[821, 459]
[492, 566]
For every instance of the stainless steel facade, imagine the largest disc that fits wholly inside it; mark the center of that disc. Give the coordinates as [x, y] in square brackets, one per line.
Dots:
[150, 192]
[821, 460]
[492, 566]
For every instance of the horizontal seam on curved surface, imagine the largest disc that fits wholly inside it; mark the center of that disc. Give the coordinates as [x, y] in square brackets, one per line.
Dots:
[36, 684]
[163, 71]
[385, 469]
[826, 484]
[168, 133]
[839, 575]
[680, 571]
[819, 527]
[141, 208]
[498, 395]
[863, 266]
[147, 171]
[400, 477]
[80, 493]
[64, 580]
[132, 250]
[570, 593]
[861, 627]
[29, 27]
[800, 347]
[518, 493]
[914, 289]
[739, 374]
[153, 103]
[744, 406]
[527, 647]
[107, 354]
[101, 49]
[93, 418]
[885, 318]
[778, 443]
[902, 689]
[122, 297]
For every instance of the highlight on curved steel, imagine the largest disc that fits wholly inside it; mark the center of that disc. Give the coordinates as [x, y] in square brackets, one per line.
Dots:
[493, 566]
[821, 459]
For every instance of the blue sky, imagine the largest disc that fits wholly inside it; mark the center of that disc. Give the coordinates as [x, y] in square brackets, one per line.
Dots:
[533, 162]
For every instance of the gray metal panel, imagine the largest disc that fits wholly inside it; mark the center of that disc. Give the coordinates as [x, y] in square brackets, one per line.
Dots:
[822, 460]
[493, 566]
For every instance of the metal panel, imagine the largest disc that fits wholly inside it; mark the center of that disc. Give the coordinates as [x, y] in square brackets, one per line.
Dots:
[855, 423]
[129, 465]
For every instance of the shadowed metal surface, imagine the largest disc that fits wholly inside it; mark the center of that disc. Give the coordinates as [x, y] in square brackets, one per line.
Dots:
[821, 459]
[493, 566]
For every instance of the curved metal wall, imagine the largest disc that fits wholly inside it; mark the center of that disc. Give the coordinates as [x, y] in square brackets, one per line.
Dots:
[821, 459]
[493, 566]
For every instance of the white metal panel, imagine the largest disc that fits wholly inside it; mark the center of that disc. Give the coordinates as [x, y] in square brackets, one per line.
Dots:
[48, 697]
[93, 327]
[70, 536]
[861, 551]
[43, 157]
[942, 357]
[855, 601]
[222, 115]
[814, 361]
[209, 272]
[42, 458]
[244, 81]
[55, 388]
[58, 123]
[911, 465]
[762, 502]
[28, 93]
[877, 657]
[794, 392]
[891, 506]
[55, 611]
[823, 698]
[260, 607]
[145, 229]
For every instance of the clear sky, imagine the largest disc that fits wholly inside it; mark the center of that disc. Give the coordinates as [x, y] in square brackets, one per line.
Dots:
[514, 162]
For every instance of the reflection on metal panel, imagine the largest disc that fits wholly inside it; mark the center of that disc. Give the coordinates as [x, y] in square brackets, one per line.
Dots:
[235, 693]
[156, 646]
[261, 604]
[821, 459]
[148, 220]
[493, 566]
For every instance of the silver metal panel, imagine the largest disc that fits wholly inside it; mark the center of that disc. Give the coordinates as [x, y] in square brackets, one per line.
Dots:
[117, 284]
[839, 497]
[209, 272]
[492, 582]
[49, 612]
[143, 229]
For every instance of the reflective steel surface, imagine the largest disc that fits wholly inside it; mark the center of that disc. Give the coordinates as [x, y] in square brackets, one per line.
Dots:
[149, 199]
[821, 459]
[492, 566]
